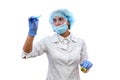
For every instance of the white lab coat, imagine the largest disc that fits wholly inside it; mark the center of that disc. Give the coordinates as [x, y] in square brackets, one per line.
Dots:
[64, 56]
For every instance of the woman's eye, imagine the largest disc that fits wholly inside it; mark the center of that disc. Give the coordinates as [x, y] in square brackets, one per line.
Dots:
[60, 19]
[54, 20]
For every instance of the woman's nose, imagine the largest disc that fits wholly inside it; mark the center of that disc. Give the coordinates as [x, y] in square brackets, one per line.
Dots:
[57, 23]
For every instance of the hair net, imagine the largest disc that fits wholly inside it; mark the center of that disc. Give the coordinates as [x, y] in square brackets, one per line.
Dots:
[63, 13]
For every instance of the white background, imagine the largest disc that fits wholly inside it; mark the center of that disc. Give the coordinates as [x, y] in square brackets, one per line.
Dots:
[96, 21]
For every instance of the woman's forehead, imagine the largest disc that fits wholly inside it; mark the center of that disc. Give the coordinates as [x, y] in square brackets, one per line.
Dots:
[56, 17]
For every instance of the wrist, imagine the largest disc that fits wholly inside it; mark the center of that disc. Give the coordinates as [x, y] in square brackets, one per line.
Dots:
[32, 33]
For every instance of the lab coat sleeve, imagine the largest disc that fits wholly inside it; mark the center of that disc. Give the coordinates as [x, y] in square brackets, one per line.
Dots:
[83, 54]
[38, 49]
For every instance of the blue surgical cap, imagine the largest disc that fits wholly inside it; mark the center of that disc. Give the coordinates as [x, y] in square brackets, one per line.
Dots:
[62, 13]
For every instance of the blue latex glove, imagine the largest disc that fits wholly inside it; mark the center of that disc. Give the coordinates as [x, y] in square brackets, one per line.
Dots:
[33, 25]
[86, 64]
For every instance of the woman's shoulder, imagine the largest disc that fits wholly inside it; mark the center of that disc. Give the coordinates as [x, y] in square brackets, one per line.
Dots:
[50, 37]
[77, 39]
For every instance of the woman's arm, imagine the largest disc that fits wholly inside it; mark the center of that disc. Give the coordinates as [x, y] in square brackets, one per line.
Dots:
[28, 44]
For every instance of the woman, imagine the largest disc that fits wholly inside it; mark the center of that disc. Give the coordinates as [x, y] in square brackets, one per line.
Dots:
[64, 51]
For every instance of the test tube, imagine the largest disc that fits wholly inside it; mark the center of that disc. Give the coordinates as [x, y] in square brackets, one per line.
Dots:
[83, 69]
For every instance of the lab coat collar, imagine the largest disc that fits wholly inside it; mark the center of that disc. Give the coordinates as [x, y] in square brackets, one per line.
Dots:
[54, 38]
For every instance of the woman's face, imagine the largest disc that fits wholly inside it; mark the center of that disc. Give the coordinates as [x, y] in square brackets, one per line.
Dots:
[58, 21]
